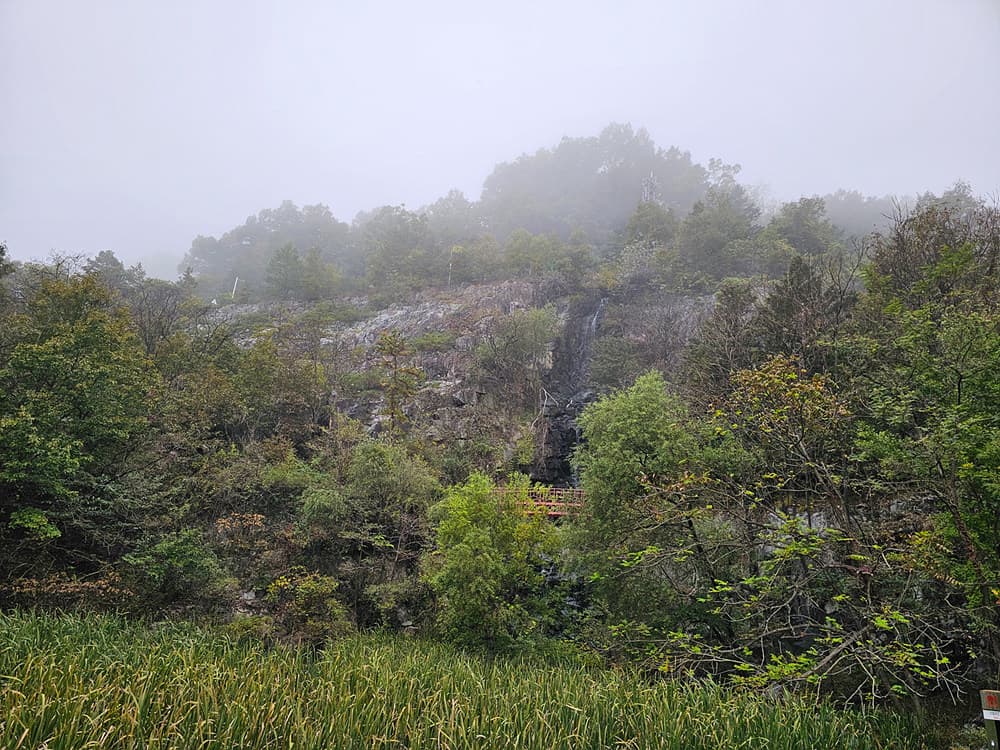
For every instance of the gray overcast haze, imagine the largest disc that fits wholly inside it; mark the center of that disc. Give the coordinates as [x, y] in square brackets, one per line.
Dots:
[135, 126]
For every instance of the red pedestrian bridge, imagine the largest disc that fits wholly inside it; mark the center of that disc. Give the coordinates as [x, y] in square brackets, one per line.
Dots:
[554, 502]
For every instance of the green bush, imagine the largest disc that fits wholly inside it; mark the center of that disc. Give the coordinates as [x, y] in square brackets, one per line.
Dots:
[514, 355]
[177, 567]
[323, 509]
[305, 608]
[34, 524]
[434, 341]
[486, 568]
[250, 629]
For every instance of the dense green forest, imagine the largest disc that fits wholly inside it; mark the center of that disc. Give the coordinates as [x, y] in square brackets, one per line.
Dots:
[784, 419]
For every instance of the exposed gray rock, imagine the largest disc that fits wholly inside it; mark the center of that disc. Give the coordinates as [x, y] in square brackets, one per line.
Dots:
[446, 327]
[467, 396]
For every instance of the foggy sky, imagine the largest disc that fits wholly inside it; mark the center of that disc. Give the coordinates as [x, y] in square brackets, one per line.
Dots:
[136, 125]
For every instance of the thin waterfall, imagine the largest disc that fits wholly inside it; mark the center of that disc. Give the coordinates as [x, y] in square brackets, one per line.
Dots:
[569, 381]
[580, 370]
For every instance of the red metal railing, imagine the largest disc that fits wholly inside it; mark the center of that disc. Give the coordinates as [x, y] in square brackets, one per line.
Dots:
[554, 502]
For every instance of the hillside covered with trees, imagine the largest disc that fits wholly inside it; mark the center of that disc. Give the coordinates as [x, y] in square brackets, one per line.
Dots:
[784, 420]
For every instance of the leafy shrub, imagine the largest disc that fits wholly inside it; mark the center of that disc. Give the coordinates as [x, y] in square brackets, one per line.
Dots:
[250, 628]
[434, 341]
[515, 353]
[486, 570]
[179, 566]
[34, 524]
[305, 607]
[323, 509]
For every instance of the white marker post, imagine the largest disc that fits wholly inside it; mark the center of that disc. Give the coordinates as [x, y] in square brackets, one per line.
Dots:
[990, 700]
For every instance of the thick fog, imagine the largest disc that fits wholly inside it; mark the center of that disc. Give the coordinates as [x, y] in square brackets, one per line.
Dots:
[135, 126]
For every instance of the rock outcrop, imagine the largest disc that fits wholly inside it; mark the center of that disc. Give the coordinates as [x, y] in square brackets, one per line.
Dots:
[456, 406]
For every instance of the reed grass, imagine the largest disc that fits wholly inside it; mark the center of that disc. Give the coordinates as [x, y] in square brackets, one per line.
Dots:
[103, 682]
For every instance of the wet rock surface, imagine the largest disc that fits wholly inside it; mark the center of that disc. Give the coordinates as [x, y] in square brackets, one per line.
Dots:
[566, 393]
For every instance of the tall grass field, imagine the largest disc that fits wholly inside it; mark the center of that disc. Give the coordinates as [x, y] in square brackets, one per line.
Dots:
[103, 682]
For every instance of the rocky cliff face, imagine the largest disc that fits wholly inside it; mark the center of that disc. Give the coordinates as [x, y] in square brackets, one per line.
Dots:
[456, 407]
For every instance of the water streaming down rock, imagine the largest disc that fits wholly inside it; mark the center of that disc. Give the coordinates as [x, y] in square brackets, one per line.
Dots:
[567, 392]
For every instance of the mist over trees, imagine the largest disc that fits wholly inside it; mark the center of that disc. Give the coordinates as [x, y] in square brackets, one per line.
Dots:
[616, 196]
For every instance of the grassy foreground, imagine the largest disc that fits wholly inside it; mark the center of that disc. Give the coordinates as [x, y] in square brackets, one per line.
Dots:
[101, 682]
